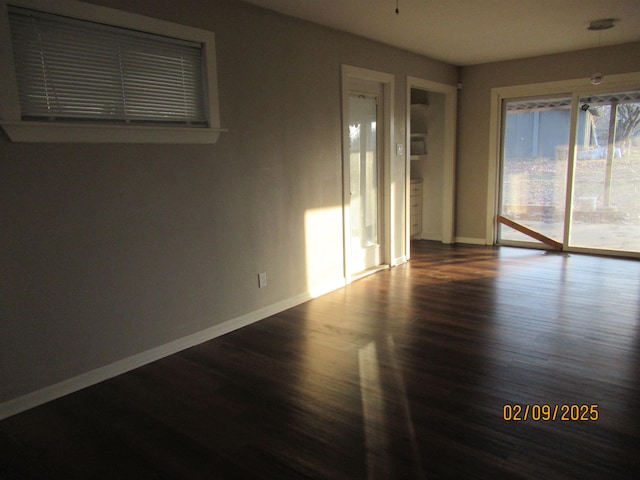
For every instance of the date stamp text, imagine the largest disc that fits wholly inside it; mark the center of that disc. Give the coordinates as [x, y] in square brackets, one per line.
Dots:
[550, 413]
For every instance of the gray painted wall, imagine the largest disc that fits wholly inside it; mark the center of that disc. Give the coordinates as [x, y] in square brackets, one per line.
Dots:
[111, 250]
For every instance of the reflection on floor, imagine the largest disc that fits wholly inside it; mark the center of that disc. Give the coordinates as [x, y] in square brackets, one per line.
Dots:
[385, 405]
[402, 374]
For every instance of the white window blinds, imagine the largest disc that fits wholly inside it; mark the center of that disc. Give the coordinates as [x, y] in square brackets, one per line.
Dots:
[76, 70]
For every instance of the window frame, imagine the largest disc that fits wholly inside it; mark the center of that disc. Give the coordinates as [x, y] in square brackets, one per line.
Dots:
[19, 130]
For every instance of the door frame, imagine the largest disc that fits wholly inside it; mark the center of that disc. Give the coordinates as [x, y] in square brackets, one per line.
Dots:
[351, 74]
[449, 155]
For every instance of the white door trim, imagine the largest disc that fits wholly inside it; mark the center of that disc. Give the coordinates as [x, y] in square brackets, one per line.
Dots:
[387, 80]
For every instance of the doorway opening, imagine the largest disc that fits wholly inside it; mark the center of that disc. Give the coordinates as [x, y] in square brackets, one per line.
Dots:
[431, 140]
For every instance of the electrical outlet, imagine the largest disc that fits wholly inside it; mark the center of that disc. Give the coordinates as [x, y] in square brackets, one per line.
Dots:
[399, 149]
[262, 279]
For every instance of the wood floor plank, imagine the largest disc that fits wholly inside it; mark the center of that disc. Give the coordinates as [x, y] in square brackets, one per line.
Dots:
[402, 374]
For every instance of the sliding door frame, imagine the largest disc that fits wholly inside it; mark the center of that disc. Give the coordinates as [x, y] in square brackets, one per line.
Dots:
[574, 88]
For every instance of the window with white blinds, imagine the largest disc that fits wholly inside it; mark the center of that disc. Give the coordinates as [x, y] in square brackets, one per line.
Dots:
[78, 72]
[68, 69]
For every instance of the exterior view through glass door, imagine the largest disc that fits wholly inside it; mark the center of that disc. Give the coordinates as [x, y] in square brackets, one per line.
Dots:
[584, 196]
[364, 179]
[534, 167]
[606, 206]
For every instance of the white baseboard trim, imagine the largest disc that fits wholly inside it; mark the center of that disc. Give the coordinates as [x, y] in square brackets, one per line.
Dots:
[399, 261]
[44, 395]
[471, 240]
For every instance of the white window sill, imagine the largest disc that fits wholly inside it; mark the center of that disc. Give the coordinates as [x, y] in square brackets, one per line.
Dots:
[41, 132]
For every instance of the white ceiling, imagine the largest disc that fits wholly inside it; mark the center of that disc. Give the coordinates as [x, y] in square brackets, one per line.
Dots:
[470, 32]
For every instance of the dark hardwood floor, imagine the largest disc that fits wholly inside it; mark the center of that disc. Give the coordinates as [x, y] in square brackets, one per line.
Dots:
[403, 374]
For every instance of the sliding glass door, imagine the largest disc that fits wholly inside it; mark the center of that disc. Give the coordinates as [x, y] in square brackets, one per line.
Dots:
[534, 167]
[579, 195]
[606, 191]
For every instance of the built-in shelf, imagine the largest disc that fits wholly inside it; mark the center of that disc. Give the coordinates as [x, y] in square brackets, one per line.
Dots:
[418, 145]
[419, 129]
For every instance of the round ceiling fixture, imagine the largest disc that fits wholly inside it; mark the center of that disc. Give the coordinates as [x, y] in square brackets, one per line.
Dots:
[602, 24]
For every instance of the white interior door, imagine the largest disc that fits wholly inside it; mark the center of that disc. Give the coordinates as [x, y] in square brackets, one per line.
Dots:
[372, 199]
[365, 131]
[364, 172]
